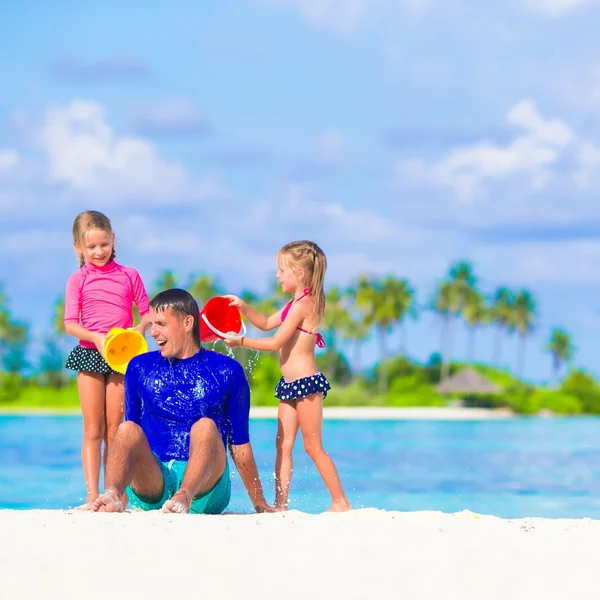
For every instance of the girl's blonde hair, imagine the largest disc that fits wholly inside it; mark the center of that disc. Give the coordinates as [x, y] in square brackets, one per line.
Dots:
[86, 221]
[308, 256]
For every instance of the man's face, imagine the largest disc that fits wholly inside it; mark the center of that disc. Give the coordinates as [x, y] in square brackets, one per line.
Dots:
[171, 333]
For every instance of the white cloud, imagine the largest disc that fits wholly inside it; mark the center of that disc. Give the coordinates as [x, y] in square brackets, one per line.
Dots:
[574, 262]
[344, 16]
[87, 155]
[529, 163]
[8, 159]
[341, 15]
[555, 8]
[300, 208]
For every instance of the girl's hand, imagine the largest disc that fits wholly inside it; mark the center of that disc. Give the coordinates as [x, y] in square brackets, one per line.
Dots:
[100, 341]
[232, 343]
[235, 301]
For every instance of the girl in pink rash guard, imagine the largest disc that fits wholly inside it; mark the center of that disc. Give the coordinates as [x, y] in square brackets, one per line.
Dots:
[99, 296]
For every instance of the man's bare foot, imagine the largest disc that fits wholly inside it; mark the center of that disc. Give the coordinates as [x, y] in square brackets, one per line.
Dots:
[88, 506]
[108, 502]
[280, 506]
[340, 506]
[179, 503]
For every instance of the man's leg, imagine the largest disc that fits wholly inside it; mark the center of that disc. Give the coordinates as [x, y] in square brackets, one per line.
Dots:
[205, 467]
[130, 463]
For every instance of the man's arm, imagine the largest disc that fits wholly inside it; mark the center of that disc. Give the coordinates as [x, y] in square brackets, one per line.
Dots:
[243, 457]
[133, 402]
[238, 408]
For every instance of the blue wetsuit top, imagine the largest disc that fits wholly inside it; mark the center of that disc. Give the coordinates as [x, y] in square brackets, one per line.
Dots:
[165, 397]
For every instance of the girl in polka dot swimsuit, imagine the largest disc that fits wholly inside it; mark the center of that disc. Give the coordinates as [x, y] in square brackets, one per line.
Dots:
[302, 388]
[99, 296]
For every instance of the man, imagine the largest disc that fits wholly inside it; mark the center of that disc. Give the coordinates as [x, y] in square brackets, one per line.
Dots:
[183, 406]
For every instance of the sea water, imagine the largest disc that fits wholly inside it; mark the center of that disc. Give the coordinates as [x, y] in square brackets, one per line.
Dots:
[509, 468]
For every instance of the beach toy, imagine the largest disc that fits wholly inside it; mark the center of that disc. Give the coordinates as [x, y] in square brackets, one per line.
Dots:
[122, 346]
[218, 317]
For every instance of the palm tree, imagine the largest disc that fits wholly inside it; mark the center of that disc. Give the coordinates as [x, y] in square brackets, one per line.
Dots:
[58, 319]
[166, 281]
[450, 301]
[522, 319]
[561, 347]
[358, 331]
[500, 315]
[13, 335]
[203, 288]
[385, 304]
[445, 304]
[336, 321]
[13, 338]
[476, 314]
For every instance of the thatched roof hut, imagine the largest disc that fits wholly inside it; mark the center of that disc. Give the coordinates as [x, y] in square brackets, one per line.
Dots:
[467, 381]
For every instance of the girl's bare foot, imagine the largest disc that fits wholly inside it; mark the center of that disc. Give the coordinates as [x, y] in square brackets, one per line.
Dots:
[179, 503]
[339, 506]
[110, 501]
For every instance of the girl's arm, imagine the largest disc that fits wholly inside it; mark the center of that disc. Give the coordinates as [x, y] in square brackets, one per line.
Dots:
[141, 300]
[295, 316]
[81, 333]
[261, 322]
[73, 312]
[143, 326]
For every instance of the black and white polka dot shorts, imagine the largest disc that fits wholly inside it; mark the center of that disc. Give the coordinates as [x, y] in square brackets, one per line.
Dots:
[313, 384]
[88, 359]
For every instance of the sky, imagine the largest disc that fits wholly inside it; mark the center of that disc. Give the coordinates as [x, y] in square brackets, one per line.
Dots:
[400, 135]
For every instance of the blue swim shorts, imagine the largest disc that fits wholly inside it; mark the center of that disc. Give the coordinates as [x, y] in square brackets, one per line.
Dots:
[213, 502]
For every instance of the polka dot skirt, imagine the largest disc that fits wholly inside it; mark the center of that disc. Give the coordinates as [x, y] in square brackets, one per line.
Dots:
[314, 384]
[88, 359]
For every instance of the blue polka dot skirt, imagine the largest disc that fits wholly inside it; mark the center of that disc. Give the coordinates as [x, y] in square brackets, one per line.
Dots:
[88, 359]
[313, 384]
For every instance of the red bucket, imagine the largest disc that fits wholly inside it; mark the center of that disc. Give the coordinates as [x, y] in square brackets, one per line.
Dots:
[217, 318]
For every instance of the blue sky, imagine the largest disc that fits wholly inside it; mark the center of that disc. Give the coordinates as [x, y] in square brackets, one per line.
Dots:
[401, 135]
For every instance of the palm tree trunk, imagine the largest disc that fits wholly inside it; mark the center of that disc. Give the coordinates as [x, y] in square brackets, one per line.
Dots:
[333, 356]
[404, 340]
[357, 350]
[521, 357]
[471, 344]
[383, 371]
[498, 346]
[446, 348]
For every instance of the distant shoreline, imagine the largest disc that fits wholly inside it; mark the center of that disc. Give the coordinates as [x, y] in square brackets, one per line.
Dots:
[332, 412]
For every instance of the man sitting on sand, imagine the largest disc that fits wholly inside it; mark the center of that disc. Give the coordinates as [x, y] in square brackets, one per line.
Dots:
[183, 406]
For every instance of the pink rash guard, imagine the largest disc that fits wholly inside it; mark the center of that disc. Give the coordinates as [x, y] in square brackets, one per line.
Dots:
[100, 298]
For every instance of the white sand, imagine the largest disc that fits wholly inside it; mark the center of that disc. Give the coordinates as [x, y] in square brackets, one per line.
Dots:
[366, 554]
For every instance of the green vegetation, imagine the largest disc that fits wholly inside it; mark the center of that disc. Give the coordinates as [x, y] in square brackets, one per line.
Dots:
[372, 306]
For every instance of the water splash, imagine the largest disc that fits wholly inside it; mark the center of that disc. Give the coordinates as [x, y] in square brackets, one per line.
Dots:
[253, 361]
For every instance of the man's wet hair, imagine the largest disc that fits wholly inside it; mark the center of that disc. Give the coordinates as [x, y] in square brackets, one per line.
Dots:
[182, 304]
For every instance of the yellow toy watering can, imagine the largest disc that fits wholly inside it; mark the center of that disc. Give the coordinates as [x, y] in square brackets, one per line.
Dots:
[122, 346]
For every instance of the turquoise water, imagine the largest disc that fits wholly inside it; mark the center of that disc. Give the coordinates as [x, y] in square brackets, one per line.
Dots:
[509, 468]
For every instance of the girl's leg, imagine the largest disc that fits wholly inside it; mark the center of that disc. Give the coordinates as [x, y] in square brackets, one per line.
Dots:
[114, 409]
[115, 397]
[92, 390]
[310, 417]
[287, 428]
